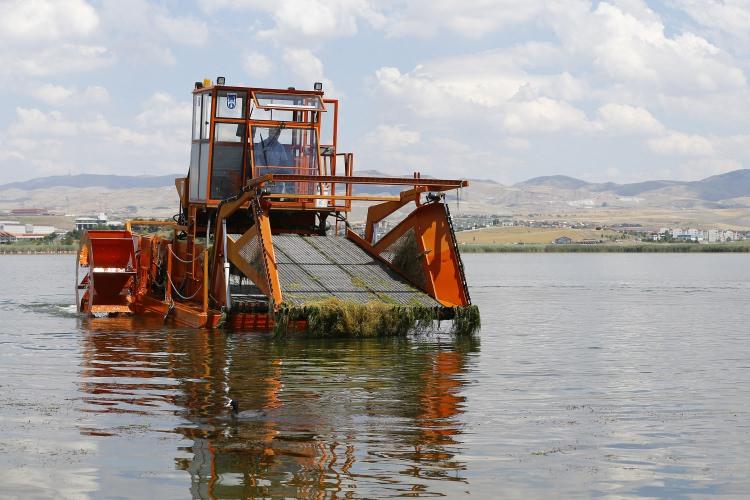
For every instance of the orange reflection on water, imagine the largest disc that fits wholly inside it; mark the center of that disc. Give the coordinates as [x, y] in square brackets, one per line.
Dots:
[316, 418]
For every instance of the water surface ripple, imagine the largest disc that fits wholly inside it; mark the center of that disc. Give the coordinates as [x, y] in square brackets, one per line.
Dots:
[594, 375]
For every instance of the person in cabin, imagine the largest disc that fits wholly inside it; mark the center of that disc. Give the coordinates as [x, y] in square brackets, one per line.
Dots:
[273, 158]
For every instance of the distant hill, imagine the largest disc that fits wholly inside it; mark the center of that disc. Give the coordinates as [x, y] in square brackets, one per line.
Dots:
[555, 181]
[95, 180]
[735, 184]
[730, 185]
[720, 199]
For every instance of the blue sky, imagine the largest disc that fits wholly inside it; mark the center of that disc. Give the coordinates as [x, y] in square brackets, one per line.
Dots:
[606, 91]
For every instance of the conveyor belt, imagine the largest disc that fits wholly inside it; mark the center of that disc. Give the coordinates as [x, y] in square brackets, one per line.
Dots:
[318, 267]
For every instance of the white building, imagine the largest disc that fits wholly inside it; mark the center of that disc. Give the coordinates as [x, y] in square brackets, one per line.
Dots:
[91, 222]
[26, 231]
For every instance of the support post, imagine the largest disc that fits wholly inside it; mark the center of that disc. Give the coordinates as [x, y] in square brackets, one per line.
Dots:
[168, 292]
[205, 281]
[227, 289]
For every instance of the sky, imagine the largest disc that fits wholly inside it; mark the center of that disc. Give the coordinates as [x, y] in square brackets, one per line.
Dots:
[618, 90]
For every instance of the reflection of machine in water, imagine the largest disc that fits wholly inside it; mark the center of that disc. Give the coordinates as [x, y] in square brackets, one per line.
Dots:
[323, 419]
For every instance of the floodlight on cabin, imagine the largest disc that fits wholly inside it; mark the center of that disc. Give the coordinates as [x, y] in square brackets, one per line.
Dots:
[198, 85]
[318, 86]
[220, 80]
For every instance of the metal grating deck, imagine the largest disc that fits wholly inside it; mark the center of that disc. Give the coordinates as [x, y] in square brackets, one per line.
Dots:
[318, 267]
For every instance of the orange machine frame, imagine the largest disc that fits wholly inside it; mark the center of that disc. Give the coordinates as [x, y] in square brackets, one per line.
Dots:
[186, 274]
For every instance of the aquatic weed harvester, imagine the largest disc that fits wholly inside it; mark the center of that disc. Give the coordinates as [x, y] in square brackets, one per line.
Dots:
[262, 238]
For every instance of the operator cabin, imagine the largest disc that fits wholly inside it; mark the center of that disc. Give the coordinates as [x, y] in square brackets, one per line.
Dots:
[241, 133]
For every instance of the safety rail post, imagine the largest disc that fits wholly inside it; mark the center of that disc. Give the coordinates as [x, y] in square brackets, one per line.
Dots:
[227, 267]
[333, 172]
[168, 293]
[205, 280]
[349, 163]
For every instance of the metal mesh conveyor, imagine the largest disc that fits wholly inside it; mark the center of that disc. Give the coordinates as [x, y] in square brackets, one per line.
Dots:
[312, 268]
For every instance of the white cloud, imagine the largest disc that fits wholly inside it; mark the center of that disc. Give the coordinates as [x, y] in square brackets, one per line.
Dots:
[52, 142]
[257, 65]
[95, 94]
[469, 19]
[725, 20]
[6, 154]
[628, 43]
[33, 122]
[392, 137]
[52, 94]
[308, 68]
[543, 115]
[184, 30]
[42, 37]
[557, 87]
[426, 95]
[59, 95]
[54, 60]
[516, 144]
[445, 93]
[681, 144]
[306, 20]
[615, 58]
[163, 111]
[32, 21]
[142, 32]
[625, 119]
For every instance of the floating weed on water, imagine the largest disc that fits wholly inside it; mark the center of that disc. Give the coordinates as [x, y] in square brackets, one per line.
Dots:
[466, 320]
[544, 453]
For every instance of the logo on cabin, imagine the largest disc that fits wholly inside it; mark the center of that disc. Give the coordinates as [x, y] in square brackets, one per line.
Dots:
[231, 101]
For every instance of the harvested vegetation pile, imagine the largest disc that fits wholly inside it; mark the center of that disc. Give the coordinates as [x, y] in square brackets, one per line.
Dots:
[334, 317]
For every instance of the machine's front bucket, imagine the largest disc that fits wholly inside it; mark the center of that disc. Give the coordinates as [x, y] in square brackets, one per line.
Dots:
[108, 259]
[415, 276]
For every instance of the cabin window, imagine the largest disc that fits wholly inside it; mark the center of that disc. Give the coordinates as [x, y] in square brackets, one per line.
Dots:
[206, 117]
[196, 117]
[279, 115]
[229, 132]
[230, 104]
[203, 175]
[281, 150]
[294, 102]
[195, 150]
[226, 171]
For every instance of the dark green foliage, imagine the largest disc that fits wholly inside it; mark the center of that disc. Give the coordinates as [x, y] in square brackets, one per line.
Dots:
[466, 320]
[337, 318]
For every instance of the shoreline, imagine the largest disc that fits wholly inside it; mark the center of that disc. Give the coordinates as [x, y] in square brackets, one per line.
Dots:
[609, 248]
[34, 251]
[514, 248]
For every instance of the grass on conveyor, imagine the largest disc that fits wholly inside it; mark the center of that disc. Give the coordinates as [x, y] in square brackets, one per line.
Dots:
[338, 318]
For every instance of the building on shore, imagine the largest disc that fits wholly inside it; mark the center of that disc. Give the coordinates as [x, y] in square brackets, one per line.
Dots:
[24, 212]
[563, 240]
[6, 238]
[26, 231]
[91, 222]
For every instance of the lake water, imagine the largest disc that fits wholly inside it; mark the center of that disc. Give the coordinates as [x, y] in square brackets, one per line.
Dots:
[593, 375]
